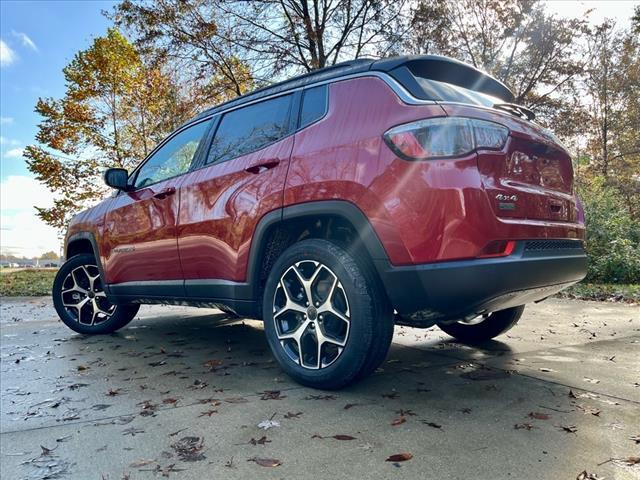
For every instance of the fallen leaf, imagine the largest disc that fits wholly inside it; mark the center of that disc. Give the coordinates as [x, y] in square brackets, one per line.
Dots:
[584, 475]
[267, 424]
[208, 413]
[632, 460]
[572, 395]
[320, 397]
[350, 405]
[343, 437]
[272, 395]
[266, 462]
[292, 415]
[539, 416]
[82, 368]
[400, 457]
[261, 441]
[431, 424]
[569, 428]
[635, 438]
[212, 364]
[523, 426]
[399, 421]
[189, 449]
[114, 391]
[170, 401]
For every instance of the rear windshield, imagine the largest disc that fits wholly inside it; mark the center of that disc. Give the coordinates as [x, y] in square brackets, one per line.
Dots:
[446, 92]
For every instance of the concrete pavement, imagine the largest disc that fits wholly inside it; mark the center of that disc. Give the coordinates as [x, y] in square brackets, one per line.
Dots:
[180, 393]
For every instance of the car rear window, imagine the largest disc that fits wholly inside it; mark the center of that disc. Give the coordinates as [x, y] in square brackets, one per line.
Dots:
[446, 92]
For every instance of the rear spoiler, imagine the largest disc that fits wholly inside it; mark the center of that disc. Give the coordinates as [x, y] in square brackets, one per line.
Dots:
[442, 69]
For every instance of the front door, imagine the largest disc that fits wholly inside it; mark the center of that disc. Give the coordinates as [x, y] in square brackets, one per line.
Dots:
[140, 239]
[241, 178]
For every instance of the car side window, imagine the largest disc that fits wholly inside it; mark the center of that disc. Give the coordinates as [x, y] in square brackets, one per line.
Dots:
[314, 105]
[173, 158]
[250, 128]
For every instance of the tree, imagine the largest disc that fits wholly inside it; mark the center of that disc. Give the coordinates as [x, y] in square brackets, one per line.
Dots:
[535, 54]
[49, 256]
[196, 39]
[115, 109]
[263, 38]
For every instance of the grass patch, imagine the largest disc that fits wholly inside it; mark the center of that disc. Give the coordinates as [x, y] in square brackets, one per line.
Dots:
[26, 283]
[603, 292]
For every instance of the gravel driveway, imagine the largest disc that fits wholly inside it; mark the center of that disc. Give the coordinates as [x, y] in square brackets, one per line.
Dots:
[181, 393]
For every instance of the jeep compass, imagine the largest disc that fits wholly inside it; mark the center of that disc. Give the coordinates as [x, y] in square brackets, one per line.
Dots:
[334, 205]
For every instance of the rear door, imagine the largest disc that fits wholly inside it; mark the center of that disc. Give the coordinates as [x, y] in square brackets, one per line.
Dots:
[241, 178]
[140, 238]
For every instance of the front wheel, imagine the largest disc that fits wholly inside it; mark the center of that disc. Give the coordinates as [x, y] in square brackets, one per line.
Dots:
[81, 302]
[327, 318]
[484, 327]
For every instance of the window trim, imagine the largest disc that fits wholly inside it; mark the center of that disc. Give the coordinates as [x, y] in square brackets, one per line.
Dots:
[134, 174]
[299, 127]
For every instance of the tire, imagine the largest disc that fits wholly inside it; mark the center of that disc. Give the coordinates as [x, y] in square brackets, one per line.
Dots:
[349, 311]
[78, 281]
[495, 324]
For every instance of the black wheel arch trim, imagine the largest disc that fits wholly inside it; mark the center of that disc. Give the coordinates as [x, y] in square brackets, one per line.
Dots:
[340, 208]
[86, 236]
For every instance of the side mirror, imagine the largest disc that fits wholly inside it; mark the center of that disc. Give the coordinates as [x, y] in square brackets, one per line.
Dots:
[117, 178]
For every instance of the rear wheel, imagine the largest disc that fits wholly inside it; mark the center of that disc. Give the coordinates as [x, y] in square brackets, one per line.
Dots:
[81, 302]
[484, 327]
[327, 319]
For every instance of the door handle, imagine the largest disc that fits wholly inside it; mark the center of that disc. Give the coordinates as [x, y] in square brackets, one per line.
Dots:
[165, 192]
[263, 165]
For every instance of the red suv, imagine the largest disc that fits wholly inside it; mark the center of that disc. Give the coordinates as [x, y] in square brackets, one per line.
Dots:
[332, 206]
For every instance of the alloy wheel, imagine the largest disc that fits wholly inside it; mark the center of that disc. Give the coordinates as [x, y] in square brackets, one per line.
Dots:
[311, 314]
[84, 298]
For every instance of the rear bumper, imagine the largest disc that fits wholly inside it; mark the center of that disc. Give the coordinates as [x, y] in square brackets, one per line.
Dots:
[453, 290]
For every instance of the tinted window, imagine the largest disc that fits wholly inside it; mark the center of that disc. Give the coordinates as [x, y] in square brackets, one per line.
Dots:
[250, 128]
[173, 158]
[448, 92]
[314, 105]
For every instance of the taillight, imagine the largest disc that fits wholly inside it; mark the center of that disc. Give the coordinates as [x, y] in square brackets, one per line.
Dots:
[445, 137]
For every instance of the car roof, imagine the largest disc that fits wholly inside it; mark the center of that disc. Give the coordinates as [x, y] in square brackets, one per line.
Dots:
[434, 67]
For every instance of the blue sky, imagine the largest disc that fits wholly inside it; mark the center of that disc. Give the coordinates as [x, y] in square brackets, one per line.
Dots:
[38, 39]
[43, 36]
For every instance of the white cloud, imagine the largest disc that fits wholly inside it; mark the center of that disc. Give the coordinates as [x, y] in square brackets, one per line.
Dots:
[7, 56]
[6, 120]
[26, 41]
[23, 233]
[14, 153]
[8, 141]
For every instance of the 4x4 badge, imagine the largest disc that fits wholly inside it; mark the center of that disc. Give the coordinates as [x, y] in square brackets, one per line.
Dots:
[509, 198]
